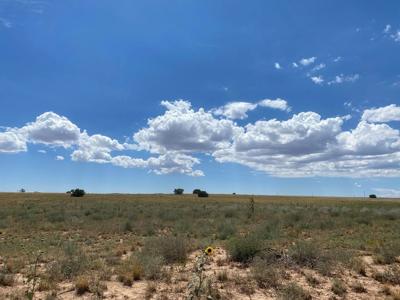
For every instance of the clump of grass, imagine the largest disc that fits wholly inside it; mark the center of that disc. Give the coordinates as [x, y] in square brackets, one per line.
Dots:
[73, 262]
[312, 280]
[151, 288]
[6, 279]
[358, 266]
[131, 270]
[338, 287]
[243, 249]
[387, 254]
[292, 291]
[305, 254]
[222, 276]
[391, 275]
[82, 285]
[266, 275]
[358, 288]
[172, 249]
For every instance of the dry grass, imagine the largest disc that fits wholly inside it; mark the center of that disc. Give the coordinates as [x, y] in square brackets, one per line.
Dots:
[133, 238]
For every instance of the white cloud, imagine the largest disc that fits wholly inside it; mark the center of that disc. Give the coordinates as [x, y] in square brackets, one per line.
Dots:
[12, 142]
[342, 78]
[358, 185]
[387, 28]
[278, 103]
[317, 79]
[396, 36]
[59, 157]
[383, 114]
[295, 65]
[306, 144]
[181, 128]
[318, 67]
[337, 59]
[42, 151]
[235, 110]
[307, 61]
[387, 193]
[277, 66]
[51, 129]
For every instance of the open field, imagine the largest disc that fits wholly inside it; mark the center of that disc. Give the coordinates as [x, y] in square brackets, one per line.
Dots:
[53, 246]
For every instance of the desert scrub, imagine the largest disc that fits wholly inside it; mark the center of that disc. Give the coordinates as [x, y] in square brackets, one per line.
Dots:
[338, 287]
[292, 291]
[81, 285]
[129, 271]
[305, 254]
[390, 275]
[243, 249]
[73, 262]
[172, 249]
[387, 254]
[358, 265]
[266, 275]
[358, 288]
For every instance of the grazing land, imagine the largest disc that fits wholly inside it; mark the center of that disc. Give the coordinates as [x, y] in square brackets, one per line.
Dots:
[53, 246]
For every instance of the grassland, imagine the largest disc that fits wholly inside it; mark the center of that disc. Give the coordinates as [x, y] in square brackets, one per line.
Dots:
[53, 246]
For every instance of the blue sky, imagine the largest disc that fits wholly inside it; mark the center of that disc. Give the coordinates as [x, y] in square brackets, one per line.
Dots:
[259, 97]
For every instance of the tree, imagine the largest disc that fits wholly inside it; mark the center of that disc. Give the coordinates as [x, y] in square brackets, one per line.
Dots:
[22, 191]
[202, 194]
[196, 191]
[372, 196]
[77, 193]
[178, 191]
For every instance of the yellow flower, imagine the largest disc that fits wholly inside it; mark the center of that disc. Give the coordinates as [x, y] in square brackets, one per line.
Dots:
[209, 251]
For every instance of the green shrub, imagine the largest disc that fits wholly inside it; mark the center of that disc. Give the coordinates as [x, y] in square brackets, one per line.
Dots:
[338, 287]
[77, 193]
[243, 249]
[305, 254]
[292, 291]
[266, 275]
[391, 275]
[172, 249]
[387, 254]
[358, 288]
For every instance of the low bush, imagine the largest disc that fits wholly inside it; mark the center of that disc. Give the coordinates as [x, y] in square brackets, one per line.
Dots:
[82, 285]
[358, 288]
[338, 287]
[391, 275]
[292, 291]
[243, 249]
[266, 275]
[387, 254]
[305, 254]
[172, 249]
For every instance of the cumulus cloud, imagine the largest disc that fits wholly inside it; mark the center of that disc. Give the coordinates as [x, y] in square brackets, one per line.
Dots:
[235, 110]
[277, 66]
[59, 157]
[295, 65]
[12, 142]
[307, 61]
[278, 103]
[396, 36]
[317, 79]
[306, 144]
[51, 129]
[181, 128]
[383, 114]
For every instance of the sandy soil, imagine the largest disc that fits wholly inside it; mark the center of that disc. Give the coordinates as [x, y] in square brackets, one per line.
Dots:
[239, 284]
